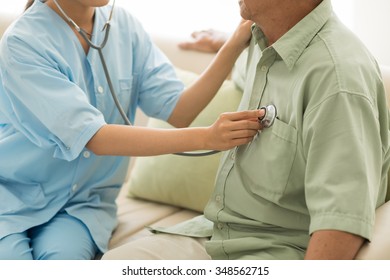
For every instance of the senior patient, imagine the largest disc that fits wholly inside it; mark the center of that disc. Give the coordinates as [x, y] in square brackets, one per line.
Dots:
[308, 187]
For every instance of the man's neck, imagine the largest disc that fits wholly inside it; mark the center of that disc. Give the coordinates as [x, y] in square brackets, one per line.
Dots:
[279, 22]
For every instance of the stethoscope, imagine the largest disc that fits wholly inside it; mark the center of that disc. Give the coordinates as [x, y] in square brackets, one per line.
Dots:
[267, 120]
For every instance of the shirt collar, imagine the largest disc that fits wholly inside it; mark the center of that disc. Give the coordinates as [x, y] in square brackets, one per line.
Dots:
[292, 44]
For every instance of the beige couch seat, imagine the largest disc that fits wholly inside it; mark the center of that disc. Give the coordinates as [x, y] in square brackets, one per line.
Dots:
[167, 190]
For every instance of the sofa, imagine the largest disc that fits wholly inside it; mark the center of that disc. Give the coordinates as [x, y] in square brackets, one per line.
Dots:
[166, 190]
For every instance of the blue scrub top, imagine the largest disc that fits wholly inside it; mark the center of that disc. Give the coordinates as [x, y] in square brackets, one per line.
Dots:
[53, 99]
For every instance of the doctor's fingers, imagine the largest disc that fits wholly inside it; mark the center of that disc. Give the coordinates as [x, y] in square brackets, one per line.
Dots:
[229, 140]
[252, 124]
[227, 126]
[236, 137]
[243, 115]
[243, 32]
[241, 134]
[240, 141]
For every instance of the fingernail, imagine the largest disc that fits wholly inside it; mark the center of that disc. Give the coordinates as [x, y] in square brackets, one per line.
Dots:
[262, 114]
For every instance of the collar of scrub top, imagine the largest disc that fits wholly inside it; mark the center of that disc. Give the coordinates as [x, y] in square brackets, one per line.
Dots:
[84, 33]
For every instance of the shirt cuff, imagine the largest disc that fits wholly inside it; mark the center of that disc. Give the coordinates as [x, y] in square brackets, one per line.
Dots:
[71, 152]
[342, 222]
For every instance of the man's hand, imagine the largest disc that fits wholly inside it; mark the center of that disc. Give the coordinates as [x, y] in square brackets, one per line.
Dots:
[209, 41]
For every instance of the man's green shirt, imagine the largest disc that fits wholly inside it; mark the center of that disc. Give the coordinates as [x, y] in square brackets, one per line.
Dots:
[323, 164]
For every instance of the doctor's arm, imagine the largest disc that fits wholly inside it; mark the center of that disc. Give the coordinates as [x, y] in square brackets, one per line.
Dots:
[333, 245]
[199, 94]
[229, 130]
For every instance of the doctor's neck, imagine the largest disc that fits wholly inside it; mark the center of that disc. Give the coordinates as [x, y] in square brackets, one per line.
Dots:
[28, 4]
[81, 14]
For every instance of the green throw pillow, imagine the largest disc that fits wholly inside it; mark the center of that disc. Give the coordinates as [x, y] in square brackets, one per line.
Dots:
[183, 181]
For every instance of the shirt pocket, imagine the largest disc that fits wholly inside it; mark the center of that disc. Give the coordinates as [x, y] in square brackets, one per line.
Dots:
[266, 163]
[125, 91]
[15, 196]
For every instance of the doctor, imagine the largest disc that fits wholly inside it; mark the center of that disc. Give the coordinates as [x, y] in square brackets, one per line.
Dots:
[57, 119]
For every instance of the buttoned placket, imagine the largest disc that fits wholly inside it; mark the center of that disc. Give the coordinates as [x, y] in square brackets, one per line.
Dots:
[74, 187]
[260, 78]
[254, 94]
[98, 81]
[220, 190]
[100, 89]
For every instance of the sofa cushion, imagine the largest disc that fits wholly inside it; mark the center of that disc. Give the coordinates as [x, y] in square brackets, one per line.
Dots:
[378, 248]
[183, 181]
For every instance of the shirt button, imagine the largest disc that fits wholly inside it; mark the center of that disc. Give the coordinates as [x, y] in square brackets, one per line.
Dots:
[100, 89]
[220, 226]
[74, 187]
[264, 68]
[218, 198]
[86, 154]
[233, 156]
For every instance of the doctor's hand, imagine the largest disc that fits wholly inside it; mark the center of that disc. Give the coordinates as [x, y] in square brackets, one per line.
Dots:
[241, 37]
[233, 129]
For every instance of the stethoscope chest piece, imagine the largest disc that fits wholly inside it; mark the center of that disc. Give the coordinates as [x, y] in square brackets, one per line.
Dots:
[269, 117]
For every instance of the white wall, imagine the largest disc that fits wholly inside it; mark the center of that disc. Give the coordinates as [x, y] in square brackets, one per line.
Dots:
[183, 16]
[372, 25]
[369, 19]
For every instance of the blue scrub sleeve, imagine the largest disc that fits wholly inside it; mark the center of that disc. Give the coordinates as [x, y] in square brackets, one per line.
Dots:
[42, 102]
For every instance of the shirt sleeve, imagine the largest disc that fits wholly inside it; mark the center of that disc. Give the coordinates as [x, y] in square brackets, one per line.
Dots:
[40, 100]
[157, 84]
[344, 162]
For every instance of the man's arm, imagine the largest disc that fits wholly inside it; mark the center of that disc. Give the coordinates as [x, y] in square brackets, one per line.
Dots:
[333, 245]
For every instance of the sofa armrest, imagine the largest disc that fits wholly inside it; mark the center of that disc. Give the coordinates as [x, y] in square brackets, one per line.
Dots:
[5, 21]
